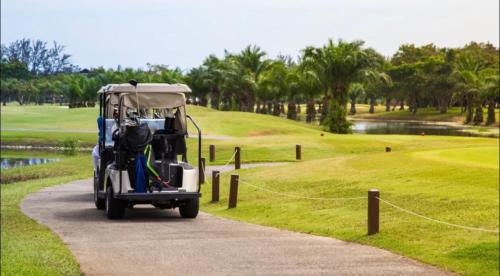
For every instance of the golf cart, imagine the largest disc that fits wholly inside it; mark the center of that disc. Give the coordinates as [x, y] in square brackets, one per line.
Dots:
[143, 134]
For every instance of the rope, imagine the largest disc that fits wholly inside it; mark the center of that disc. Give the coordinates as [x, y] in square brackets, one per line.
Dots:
[227, 163]
[230, 159]
[299, 196]
[435, 220]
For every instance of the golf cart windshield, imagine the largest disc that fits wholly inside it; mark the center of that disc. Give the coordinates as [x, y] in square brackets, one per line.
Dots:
[154, 118]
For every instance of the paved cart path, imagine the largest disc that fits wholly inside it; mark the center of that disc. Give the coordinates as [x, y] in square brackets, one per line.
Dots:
[151, 241]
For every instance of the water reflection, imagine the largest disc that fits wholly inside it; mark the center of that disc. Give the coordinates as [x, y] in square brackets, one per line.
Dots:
[415, 128]
[9, 163]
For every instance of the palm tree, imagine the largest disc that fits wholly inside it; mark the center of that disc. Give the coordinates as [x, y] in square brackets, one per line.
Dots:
[274, 85]
[338, 65]
[238, 85]
[490, 93]
[196, 79]
[311, 87]
[469, 83]
[355, 91]
[213, 79]
[249, 65]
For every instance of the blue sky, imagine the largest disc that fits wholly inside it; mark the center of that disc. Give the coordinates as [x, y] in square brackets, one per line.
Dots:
[183, 33]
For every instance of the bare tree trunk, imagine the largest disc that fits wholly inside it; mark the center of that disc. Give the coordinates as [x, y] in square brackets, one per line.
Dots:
[269, 107]
[491, 113]
[402, 105]
[292, 111]
[214, 99]
[20, 99]
[204, 101]
[352, 111]
[263, 110]
[324, 108]
[413, 104]
[387, 104]
[478, 116]
[443, 106]
[310, 111]
[372, 105]
[469, 111]
[276, 109]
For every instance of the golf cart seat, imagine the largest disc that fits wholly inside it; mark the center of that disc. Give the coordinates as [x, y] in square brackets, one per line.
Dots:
[165, 148]
[168, 146]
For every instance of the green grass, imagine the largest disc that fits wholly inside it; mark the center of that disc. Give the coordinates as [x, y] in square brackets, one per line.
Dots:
[459, 186]
[453, 179]
[27, 247]
[454, 114]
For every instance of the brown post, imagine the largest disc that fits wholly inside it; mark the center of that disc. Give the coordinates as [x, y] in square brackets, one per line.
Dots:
[212, 153]
[373, 211]
[201, 171]
[237, 158]
[298, 152]
[233, 191]
[388, 149]
[215, 186]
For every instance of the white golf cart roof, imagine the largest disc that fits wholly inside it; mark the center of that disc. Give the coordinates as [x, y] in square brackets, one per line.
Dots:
[146, 95]
[145, 88]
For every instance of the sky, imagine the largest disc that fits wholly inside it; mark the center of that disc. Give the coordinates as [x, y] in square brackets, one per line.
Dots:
[182, 33]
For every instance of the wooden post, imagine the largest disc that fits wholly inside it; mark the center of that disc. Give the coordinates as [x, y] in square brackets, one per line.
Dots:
[388, 149]
[298, 152]
[373, 211]
[212, 153]
[215, 186]
[237, 158]
[233, 191]
[201, 171]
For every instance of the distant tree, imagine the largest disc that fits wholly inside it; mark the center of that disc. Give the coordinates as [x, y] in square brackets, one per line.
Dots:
[21, 90]
[310, 87]
[490, 92]
[274, 85]
[38, 57]
[249, 64]
[356, 90]
[338, 65]
[14, 69]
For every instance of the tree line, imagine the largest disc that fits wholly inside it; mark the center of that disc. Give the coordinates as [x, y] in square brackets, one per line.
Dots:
[329, 80]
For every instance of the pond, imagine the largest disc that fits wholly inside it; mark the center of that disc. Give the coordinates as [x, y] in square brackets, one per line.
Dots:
[9, 163]
[415, 128]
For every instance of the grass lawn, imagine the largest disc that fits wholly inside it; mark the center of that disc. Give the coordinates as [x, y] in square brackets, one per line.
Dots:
[423, 114]
[455, 185]
[454, 179]
[27, 247]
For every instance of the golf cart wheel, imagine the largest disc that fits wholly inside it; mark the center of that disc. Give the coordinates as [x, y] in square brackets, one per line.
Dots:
[190, 209]
[115, 208]
[100, 203]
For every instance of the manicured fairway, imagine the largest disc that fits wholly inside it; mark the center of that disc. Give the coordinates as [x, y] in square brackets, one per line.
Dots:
[486, 157]
[27, 247]
[458, 185]
[453, 179]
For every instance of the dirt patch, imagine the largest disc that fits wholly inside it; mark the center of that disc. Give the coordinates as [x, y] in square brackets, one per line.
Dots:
[265, 132]
[19, 177]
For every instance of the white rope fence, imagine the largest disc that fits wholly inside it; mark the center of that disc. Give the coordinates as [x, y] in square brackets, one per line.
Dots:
[435, 220]
[230, 159]
[353, 198]
[299, 196]
[227, 163]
